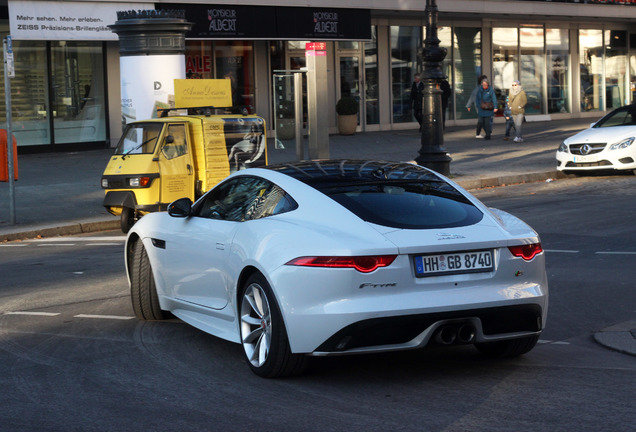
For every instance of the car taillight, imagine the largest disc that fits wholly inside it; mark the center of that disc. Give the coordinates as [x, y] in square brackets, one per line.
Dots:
[527, 252]
[364, 264]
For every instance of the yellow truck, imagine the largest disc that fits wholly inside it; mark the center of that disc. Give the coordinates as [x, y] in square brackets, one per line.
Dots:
[160, 160]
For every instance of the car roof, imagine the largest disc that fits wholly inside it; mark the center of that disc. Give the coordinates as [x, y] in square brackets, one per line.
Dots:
[347, 170]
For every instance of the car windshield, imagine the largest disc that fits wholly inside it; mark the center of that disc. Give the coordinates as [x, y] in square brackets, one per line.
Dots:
[139, 138]
[393, 195]
[625, 116]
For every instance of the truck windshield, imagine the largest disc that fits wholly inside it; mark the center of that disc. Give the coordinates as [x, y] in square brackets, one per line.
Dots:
[139, 138]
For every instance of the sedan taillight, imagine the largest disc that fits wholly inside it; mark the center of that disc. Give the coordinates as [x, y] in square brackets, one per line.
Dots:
[527, 252]
[363, 264]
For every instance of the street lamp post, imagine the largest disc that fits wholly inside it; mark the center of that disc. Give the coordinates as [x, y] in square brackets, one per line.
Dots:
[432, 153]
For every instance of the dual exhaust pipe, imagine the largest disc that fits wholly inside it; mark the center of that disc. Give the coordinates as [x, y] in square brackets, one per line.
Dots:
[455, 334]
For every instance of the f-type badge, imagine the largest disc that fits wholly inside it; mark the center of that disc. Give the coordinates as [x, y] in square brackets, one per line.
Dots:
[447, 236]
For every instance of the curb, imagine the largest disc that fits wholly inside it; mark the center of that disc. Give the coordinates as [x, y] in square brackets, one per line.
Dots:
[61, 230]
[619, 337]
[107, 225]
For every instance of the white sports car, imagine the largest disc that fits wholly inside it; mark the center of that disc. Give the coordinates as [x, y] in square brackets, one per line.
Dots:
[338, 257]
[607, 145]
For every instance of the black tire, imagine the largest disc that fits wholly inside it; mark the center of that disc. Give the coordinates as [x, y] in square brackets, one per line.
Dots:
[263, 333]
[143, 291]
[508, 348]
[127, 219]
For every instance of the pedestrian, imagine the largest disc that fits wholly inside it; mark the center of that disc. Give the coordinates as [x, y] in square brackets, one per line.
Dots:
[473, 94]
[471, 101]
[446, 94]
[486, 101]
[416, 98]
[518, 101]
[510, 123]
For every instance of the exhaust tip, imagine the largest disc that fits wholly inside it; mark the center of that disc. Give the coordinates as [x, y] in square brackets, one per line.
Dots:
[466, 333]
[446, 335]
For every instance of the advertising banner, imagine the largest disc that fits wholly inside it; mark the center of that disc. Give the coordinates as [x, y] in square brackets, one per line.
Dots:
[199, 93]
[142, 94]
[64, 20]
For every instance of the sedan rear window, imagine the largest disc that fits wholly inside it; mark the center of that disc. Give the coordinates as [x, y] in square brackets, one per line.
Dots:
[392, 194]
[406, 205]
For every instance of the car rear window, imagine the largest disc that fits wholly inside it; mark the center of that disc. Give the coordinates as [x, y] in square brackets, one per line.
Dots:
[390, 194]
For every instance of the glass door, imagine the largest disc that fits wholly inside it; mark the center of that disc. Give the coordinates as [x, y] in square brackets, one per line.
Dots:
[77, 92]
[349, 78]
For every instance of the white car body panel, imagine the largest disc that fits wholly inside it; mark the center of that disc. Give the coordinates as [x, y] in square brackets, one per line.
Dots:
[607, 159]
[197, 273]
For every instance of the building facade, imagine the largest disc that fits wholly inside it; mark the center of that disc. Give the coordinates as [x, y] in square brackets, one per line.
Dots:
[574, 58]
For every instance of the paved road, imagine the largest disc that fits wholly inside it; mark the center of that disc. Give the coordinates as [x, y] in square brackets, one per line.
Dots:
[75, 359]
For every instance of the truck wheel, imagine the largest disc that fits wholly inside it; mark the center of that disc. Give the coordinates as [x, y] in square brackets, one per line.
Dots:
[263, 334]
[143, 291]
[127, 219]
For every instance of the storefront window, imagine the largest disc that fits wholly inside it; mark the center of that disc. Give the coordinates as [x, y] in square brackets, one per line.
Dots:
[505, 63]
[231, 60]
[591, 68]
[78, 92]
[445, 35]
[532, 61]
[71, 94]
[371, 79]
[615, 68]
[405, 42]
[558, 64]
[632, 67]
[467, 59]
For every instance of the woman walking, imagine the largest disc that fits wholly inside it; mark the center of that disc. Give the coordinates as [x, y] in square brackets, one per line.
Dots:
[486, 102]
[518, 101]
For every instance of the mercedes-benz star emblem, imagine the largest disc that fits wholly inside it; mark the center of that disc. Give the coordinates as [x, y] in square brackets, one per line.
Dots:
[585, 149]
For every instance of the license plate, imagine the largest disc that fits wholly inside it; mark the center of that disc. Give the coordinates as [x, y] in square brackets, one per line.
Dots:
[583, 159]
[454, 263]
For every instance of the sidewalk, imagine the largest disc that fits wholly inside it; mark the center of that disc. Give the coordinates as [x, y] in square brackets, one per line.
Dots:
[60, 193]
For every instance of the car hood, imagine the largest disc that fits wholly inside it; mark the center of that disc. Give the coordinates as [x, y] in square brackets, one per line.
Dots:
[603, 135]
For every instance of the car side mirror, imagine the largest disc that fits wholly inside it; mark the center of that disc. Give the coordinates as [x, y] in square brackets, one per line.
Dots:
[180, 208]
[169, 139]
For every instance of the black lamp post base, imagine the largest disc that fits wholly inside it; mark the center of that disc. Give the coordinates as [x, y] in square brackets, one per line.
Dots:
[438, 162]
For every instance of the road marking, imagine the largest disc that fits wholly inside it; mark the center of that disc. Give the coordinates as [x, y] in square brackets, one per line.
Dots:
[56, 244]
[77, 239]
[562, 251]
[13, 245]
[115, 317]
[32, 313]
[615, 253]
[546, 341]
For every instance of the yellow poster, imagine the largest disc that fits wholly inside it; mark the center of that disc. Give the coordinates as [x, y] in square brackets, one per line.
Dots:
[199, 93]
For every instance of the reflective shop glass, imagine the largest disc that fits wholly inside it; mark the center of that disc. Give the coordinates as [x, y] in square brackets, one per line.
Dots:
[233, 60]
[405, 42]
[59, 84]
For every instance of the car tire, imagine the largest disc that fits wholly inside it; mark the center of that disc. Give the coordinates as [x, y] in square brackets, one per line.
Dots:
[263, 333]
[508, 348]
[127, 219]
[143, 291]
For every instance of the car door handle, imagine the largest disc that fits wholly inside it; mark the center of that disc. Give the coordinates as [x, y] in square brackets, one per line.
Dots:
[189, 169]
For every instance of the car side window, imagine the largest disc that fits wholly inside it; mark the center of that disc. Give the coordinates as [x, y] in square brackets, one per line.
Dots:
[175, 143]
[244, 198]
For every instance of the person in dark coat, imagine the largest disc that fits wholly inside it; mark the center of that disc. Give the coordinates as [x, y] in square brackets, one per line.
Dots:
[446, 94]
[486, 102]
[416, 98]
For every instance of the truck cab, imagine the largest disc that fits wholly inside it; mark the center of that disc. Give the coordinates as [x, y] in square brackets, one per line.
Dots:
[160, 160]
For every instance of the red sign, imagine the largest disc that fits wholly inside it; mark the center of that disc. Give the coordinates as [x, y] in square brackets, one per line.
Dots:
[315, 46]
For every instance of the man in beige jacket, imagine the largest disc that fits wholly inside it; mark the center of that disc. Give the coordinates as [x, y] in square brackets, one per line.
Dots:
[517, 100]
